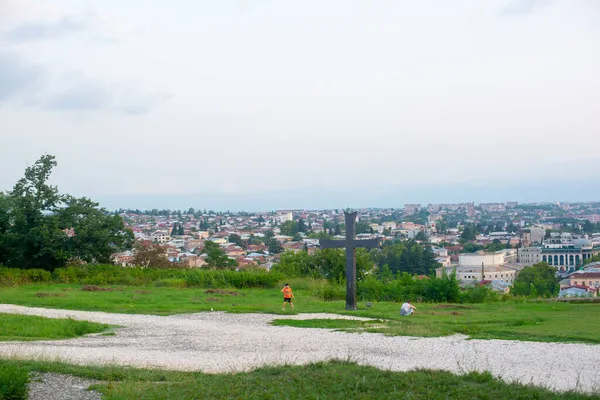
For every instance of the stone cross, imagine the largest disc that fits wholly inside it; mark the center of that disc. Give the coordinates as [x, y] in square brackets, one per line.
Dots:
[350, 244]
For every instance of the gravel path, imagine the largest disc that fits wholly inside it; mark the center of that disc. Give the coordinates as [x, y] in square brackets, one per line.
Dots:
[50, 386]
[219, 342]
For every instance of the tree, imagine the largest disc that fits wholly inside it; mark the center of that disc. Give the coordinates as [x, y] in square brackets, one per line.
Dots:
[41, 228]
[216, 258]
[289, 228]
[297, 237]
[538, 280]
[301, 225]
[235, 238]
[469, 233]
[409, 256]
[363, 227]
[337, 230]
[152, 255]
[274, 246]
[421, 237]
[174, 231]
[180, 230]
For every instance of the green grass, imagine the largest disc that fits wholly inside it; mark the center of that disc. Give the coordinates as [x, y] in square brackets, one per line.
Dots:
[13, 382]
[330, 380]
[534, 321]
[28, 328]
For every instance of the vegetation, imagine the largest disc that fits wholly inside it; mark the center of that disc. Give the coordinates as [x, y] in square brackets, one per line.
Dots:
[13, 381]
[323, 380]
[42, 228]
[153, 254]
[510, 319]
[27, 328]
[216, 258]
[408, 256]
[539, 280]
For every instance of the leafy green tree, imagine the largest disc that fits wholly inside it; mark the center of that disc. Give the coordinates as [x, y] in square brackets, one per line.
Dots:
[41, 228]
[363, 227]
[175, 230]
[297, 237]
[471, 247]
[337, 230]
[469, 233]
[328, 263]
[538, 280]
[289, 228]
[216, 258]
[274, 246]
[421, 236]
[409, 256]
[269, 235]
[592, 259]
[237, 239]
[301, 226]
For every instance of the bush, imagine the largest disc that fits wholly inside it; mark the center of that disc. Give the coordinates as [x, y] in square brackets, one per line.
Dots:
[13, 382]
[332, 291]
[478, 294]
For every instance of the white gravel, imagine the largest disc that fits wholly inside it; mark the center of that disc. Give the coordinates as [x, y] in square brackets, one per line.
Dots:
[222, 342]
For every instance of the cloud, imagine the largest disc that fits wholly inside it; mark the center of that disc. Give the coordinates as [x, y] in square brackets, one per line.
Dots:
[521, 7]
[35, 86]
[47, 29]
[79, 93]
[17, 77]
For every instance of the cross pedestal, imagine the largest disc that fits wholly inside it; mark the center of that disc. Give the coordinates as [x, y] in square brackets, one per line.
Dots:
[350, 244]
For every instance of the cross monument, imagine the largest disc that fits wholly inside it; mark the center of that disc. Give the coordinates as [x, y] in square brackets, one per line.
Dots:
[350, 244]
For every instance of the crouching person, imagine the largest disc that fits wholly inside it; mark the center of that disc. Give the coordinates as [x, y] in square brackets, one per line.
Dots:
[407, 309]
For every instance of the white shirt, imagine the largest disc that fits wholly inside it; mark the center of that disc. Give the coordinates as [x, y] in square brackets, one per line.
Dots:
[406, 307]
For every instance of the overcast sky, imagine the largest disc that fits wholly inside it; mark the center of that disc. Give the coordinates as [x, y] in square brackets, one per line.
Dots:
[231, 97]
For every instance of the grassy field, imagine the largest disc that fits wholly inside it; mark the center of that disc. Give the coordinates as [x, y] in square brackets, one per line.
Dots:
[535, 321]
[27, 328]
[331, 380]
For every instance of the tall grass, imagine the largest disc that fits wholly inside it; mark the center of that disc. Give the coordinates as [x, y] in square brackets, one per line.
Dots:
[116, 275]
[13, 382]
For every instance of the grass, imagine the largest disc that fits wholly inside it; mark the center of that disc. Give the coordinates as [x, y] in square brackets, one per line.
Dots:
[533, 321]
[13, 382]
[28, 328]
[325, 380]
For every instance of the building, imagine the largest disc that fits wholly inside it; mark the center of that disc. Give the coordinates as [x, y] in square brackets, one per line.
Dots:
[472, 274]
[410, 209]
[566, 251]
[161, 237]
[480, 258]
[442, 256]
[529, 255]
[285, 216]
[588, 279]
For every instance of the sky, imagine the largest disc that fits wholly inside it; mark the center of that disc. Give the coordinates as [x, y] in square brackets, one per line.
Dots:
[236, 104]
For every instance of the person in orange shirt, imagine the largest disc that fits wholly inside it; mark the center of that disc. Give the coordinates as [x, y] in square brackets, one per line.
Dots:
[287, 296]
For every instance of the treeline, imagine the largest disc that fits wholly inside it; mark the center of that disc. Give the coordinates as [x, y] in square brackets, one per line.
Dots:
[396, 257]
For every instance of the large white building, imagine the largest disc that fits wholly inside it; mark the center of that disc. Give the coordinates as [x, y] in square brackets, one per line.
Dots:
[564, 251]
[482, 266]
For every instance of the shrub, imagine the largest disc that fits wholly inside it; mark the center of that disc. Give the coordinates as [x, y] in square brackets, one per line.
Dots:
[332, 291]
[38, 275]
[13, 382]
[478, 294]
